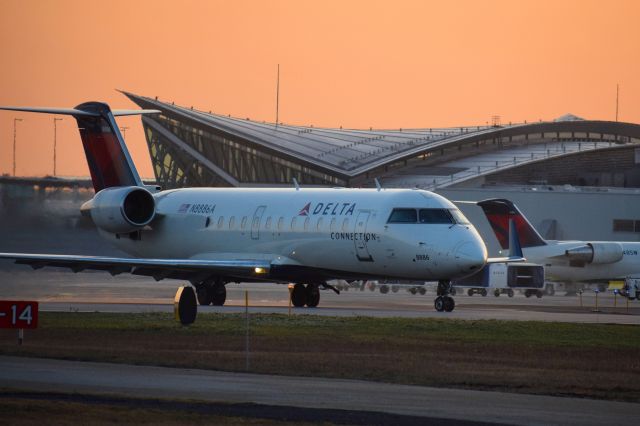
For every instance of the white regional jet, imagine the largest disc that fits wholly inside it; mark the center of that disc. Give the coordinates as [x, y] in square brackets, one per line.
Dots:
[565, 261]
[213, 236]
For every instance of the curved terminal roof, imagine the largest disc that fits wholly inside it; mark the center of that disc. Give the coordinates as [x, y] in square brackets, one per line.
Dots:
[352, 152]
[349, 151]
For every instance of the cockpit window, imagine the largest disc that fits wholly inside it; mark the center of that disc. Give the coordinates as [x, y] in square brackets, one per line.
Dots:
[436, 216]
[432, 216]
[459, 217]
[403, 216]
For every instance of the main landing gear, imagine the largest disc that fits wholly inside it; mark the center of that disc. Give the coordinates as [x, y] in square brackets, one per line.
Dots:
[444, 302]
[308, 295]
[211, 293]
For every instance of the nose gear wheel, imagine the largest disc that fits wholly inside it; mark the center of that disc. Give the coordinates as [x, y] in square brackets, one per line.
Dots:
[444, 302]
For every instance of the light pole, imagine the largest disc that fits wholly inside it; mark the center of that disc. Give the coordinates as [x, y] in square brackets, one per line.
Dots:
[55, 128]
[15, 120]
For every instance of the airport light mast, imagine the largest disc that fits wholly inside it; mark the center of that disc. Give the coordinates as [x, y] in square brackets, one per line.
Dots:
[15, 120]
[55, 120]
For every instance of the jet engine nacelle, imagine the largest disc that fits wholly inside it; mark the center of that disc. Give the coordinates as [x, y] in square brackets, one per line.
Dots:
[596, 253]
[122, 209]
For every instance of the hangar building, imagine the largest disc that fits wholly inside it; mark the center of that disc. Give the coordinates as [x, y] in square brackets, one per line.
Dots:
[531, 163]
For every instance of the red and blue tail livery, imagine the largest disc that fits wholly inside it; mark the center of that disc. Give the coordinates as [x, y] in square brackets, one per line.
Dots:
[107, 156]
[499, 212]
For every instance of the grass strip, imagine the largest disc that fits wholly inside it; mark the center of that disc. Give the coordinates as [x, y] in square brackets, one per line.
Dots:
[585, 360]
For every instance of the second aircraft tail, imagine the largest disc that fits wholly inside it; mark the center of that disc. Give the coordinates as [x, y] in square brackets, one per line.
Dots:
[499, 212]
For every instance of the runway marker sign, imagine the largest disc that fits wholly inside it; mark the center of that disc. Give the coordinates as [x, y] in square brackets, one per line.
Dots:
[18, 314]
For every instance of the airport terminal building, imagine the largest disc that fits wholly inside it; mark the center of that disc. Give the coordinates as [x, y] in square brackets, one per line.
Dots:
[196, 148]
[574, 178]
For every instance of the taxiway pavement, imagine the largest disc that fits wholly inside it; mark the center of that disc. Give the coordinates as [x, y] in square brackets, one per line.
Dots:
[173, 383]
[97, 291]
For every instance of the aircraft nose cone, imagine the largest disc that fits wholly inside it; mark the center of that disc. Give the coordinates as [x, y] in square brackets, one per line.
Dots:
[471, 256]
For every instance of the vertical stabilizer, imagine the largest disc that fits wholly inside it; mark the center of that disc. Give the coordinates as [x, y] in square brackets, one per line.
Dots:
[109, 161]
[500, 213]
[107, 156]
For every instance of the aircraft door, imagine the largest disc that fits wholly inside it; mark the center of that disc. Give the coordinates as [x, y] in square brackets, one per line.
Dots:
[255, 223]
[360, 237]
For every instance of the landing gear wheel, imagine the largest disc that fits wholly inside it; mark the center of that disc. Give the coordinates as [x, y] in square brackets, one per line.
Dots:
[483, 292]
[439, 304]
[496, 293]
[299, 295]
[204, 295]
[444, 302]
[469, 292]
[313, 295]
[185, 307]
[510, 293]
[449, 304]
[218, 295]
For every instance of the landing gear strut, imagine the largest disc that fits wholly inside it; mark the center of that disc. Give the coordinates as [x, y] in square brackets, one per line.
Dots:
[444, 302]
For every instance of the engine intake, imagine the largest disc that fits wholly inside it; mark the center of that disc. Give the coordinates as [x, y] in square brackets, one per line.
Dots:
[122, 209]
[596, 253]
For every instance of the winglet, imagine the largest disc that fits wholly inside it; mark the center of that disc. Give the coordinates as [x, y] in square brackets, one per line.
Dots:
[515, 250]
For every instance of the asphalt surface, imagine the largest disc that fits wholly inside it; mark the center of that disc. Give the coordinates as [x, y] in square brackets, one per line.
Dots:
[95, 291]
[98, 291]
[430, 403]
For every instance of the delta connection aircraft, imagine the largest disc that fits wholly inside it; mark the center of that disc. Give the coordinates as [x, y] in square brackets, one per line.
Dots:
[213, 236]
[566, 261]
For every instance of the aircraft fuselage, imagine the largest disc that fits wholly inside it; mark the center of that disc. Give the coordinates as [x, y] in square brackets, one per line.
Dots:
[311, 232]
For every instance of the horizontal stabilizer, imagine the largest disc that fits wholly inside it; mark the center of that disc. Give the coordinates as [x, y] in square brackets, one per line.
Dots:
[123, 112]
[79, 112]
[60, 111]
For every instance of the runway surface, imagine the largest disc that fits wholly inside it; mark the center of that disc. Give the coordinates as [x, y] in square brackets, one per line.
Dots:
[96, 291]
[173, 383]
[59, 290]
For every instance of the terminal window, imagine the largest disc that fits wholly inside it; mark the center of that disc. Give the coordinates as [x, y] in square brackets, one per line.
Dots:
[626, 225]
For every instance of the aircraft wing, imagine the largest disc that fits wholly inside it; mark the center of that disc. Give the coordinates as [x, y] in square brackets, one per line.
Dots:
[185, 269]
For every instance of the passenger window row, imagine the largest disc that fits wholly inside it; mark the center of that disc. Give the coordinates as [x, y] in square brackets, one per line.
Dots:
[334, 226]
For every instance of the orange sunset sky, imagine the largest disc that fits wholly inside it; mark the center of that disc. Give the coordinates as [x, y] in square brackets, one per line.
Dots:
[385, 64]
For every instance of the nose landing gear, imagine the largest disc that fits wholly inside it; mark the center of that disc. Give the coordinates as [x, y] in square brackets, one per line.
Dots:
[444, 302]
